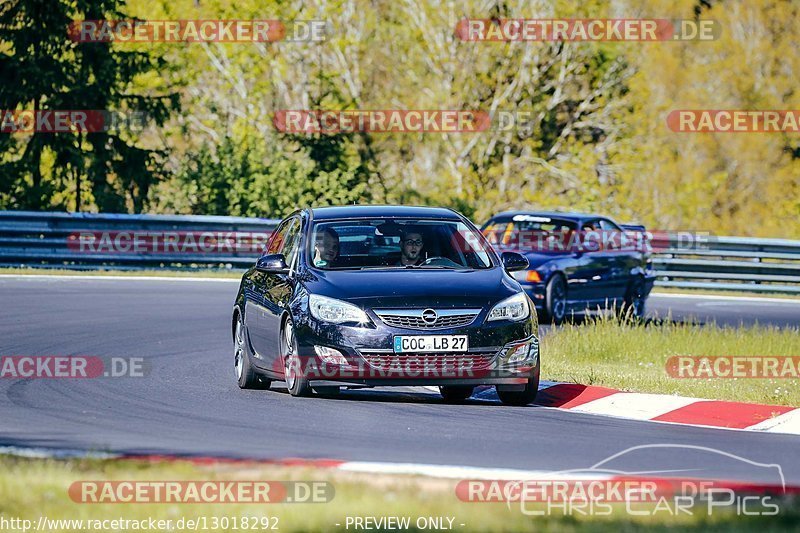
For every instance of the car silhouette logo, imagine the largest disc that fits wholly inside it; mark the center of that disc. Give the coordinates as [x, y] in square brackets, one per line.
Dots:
[429, 316]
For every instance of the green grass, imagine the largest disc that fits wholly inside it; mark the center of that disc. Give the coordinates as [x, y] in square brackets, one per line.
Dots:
[608, 352]
[30, 488]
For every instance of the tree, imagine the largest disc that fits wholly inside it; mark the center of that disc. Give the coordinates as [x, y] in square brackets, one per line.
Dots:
[43, 69]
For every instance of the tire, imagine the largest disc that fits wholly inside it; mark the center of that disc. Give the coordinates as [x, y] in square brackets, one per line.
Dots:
[455, 393]
[246, 375]
[555, 302]
[521, 398]
[297, 384]
[633, 308]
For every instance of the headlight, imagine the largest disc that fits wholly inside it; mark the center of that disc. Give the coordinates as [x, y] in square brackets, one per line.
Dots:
[335, 311]
[514, 308]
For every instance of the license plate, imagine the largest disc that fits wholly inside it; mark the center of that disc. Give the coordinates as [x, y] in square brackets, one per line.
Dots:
[430, 343]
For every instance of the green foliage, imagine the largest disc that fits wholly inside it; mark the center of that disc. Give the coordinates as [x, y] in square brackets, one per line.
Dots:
[589, 128]
[42, 69]
[241, 179]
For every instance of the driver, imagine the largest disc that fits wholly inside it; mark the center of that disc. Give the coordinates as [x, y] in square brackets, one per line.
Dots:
[411, 249]
[326, 247]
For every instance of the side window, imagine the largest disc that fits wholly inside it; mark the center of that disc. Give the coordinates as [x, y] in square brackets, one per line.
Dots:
[607, 225]
[612, 234]
[292, 241]
[591, 235]
[278, 238]
[590, 225]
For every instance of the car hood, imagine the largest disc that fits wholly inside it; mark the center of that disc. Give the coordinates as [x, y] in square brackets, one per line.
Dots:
[414, 288]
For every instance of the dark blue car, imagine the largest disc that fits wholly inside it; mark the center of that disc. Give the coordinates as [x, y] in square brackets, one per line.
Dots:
[364, 296]
[577, 261]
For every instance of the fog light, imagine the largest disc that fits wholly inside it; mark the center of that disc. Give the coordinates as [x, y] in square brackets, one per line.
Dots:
[517, 354]
[330, 355]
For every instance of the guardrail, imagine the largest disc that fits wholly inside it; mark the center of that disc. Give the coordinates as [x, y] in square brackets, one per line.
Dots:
[131, 242]
[731, 263]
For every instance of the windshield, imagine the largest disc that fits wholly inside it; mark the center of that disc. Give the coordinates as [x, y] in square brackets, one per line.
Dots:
[397, 243]
[528, 232]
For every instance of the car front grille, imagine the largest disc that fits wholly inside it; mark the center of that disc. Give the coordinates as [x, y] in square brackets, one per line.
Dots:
[429, 362]
[413, 318]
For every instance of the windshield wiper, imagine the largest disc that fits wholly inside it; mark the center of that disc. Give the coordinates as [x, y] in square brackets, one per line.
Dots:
[412, 267]
[440, 267]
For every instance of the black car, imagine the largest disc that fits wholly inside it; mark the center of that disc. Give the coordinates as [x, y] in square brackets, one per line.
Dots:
[577, 261]
[363, 296]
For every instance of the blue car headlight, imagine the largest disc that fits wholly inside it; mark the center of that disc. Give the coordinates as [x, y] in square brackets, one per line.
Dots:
[335, 311]
[515, 308]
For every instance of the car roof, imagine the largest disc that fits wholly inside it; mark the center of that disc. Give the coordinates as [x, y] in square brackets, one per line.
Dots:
[381, 211]
[550, 214]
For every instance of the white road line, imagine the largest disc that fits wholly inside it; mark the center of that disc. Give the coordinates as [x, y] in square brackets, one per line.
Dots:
[635, 406]
[118, 278]
[789, 301]
[786, 423]
[50, 453]
[460, 472]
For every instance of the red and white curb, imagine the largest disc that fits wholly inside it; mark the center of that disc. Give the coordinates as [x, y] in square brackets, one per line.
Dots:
[661, 407]
[674, 409]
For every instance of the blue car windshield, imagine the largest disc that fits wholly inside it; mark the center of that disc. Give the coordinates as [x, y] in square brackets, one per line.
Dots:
[530, 233]
[397, 243]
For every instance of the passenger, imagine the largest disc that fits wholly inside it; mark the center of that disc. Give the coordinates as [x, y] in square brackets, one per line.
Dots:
[591, 238]
[411, 249]
[326, 248]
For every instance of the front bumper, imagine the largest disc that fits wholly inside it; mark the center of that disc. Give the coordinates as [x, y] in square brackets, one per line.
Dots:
[371, 361]
[537, 291]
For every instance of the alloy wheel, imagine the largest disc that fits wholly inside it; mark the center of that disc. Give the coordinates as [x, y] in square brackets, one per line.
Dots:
[238, 349]
[289, 358]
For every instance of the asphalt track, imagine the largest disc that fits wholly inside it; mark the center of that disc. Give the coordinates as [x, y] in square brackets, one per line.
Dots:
[189, 403]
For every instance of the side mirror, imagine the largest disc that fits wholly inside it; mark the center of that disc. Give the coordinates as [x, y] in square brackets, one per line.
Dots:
[512, 261]
[272, 263]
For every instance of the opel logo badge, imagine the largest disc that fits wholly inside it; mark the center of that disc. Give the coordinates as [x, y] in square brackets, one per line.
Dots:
[429, 316]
